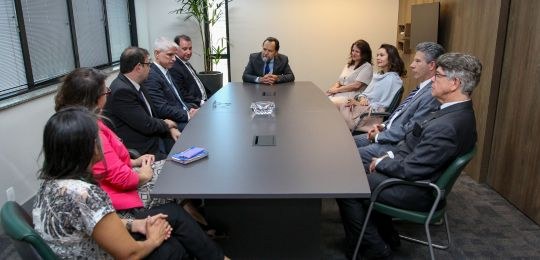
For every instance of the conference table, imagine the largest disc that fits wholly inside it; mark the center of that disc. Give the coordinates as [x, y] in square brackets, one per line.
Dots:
[265, 175]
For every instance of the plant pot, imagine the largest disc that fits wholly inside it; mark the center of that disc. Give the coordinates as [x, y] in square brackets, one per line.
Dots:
[212, 80]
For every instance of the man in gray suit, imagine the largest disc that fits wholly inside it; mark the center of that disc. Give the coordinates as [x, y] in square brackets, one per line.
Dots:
[268, 66]
[427, 150]
[418, 104]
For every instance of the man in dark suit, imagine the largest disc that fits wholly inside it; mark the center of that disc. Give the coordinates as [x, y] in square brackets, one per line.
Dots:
[427, 150]
[184, 75]
[165, 96]
[418, 104]
[268, 66]
[131, 112]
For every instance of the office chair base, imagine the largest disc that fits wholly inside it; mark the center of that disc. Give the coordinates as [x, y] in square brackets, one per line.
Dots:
[414, 240]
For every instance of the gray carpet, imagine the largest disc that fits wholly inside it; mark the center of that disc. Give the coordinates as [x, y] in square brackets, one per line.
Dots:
[483, 226]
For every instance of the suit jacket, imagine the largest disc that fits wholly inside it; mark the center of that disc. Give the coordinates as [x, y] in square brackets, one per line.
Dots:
[255, 68]
[186, 83]
[130, 118]
[430, 147]
[165, 102]
[418, 108]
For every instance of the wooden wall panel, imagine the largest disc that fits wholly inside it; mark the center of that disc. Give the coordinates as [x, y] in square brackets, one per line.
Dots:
[515, 168]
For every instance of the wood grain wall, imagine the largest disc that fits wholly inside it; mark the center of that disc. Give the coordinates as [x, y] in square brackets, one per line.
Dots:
[514, 170]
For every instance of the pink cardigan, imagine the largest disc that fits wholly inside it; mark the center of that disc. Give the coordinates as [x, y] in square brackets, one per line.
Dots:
[114, 174]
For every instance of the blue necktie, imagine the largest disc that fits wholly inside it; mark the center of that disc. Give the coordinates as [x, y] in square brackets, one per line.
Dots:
[171, 84]
[267, 67]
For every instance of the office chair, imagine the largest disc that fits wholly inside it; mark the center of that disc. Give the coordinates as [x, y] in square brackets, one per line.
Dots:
[389, 110]
[441, 188]
[18, 226]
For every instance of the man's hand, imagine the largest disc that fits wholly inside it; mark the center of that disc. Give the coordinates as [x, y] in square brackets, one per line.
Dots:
[175, 133]
[376, 129]
[170, 123]
[192, 112]
[269, 79]
[373, 164]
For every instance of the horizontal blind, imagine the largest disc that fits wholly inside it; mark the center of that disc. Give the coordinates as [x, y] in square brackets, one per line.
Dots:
[49, 38]
[90, 31]
[12, 73]
[119, 34]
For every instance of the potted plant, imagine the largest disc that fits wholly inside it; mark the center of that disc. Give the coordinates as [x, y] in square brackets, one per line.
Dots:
[206, 13]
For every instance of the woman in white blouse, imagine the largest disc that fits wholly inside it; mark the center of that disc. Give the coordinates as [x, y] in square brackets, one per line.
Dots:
[355, 76]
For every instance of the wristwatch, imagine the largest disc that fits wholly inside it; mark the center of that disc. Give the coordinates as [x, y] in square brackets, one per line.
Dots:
[129, 225]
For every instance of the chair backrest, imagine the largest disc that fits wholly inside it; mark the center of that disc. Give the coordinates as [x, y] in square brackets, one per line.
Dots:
[395, 101]
[18, 225]
[450, 175]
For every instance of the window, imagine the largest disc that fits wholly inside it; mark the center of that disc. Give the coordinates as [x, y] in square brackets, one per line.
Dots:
[42, 40]
[49, 38]
[12, 77]
[117, 15]
[220, 33]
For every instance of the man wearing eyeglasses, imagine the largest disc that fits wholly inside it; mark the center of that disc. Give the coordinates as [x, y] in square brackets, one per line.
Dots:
[427, 150]
[164, 93]
[131, 112]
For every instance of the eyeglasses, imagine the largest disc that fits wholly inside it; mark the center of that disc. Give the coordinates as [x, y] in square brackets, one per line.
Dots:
[439, 75]
[107, 91]
[146, 63]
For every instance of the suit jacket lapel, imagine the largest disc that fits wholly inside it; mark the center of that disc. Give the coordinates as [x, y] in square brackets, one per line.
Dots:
[128, 83]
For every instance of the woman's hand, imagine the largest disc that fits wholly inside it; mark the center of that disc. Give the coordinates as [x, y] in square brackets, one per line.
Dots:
[139, 225]
[157, 230]
[145, 171]
[138, 162]
[363, 101]
[333, 89]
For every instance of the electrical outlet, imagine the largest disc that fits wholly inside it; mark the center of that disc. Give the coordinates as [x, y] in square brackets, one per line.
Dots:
[10, 193]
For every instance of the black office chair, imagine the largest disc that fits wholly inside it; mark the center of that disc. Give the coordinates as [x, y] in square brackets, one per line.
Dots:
[389, 110]
[19, 227]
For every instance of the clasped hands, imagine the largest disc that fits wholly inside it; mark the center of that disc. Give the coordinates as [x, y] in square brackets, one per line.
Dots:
[153, 227]
[269, 79]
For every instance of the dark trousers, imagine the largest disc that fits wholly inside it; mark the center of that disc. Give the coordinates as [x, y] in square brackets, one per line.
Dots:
[186, 239]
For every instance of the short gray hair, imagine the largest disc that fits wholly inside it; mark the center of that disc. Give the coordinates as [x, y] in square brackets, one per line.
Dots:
[431, 50]
[164, 44]
[464, 67]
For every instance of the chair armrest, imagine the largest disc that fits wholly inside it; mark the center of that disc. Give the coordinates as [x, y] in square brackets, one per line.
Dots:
[133, 154]
[394, 181]
[375, 114]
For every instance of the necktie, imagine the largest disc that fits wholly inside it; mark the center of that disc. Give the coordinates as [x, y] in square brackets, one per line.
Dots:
[402, 106]
[141, 97]
[171, 85]
[199, 82]
[267, 67]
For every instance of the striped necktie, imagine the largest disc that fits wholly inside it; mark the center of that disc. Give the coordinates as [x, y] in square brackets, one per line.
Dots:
[401, 107]
[198, 81]
[407, 100]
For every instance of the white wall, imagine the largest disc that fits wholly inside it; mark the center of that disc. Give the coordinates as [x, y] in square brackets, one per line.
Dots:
[20, 141]
[315, 34]
[21, 136]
